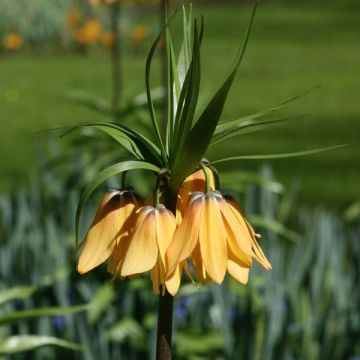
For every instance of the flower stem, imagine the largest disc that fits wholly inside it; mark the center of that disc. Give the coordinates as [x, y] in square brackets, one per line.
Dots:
[164, 329]
[207, 179]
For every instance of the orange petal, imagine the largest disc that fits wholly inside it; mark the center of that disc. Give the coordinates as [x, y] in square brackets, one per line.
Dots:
[198, 265]
[258, 254]
[129, 205]
[238, 272]
[172, 282]
[165, 229]
[143, 250]
[212, 238]
[239, 238]
[101, 238]
[185, 237]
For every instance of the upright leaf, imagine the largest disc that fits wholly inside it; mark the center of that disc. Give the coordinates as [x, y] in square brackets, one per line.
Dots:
[194, 147]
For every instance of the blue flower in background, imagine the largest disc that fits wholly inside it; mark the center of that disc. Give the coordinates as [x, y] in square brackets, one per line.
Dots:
[59, 322]
[181, 308]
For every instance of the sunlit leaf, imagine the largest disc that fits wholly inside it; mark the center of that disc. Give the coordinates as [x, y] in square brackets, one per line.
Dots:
[277, 156]
[193, 149]
[22, 343]
[222, 126]
[130, 330]
[16, 316]
[19, 292]
[251, 126]
[100, 302]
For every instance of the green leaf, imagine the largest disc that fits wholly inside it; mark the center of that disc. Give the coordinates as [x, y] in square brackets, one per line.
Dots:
[190, 93]
[148, 91]
[250, 127]
[104, 175]
[190, 154]
[16, 316]
[101, 301]
[22, 343]
[128, 329]
[185, 51]
[222, 126]
[277, 156]
[134, 142]
[19, 292]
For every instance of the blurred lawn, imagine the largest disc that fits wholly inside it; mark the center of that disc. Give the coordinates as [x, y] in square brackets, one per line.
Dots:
[293, 47]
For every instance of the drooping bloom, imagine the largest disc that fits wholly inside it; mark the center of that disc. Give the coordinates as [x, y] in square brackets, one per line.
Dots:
[153, 233]
[110, 230]
[216, 238]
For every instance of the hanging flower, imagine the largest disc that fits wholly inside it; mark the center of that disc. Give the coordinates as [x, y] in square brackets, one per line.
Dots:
[153, 233]
[216, 237]
[110, 230]
[12, 41]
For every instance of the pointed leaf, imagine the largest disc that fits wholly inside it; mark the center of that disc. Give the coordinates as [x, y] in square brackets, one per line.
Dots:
[277, 156]
[228, 124]
[250, 126]
[189, 155]
[16, 316]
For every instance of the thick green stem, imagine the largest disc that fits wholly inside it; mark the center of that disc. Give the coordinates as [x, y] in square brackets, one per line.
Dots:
[207, 178]
[165, 311]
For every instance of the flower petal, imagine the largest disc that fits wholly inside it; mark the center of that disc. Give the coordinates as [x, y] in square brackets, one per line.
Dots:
[143, 250]
[165, 229]
[129, 205]
[212, 238]
[238, 236]
[101, 238]
[185, 237]
[172, 282]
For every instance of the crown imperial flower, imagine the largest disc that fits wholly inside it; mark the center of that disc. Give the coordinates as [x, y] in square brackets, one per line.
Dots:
[153, 233]
[110, 230]
[217, 238]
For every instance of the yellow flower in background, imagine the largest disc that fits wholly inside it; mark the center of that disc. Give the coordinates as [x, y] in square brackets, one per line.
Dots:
[110, 230]
[89, 33]
[12, 41]
[107, 39]
[217, 239]
[139, 33]
[153, 233]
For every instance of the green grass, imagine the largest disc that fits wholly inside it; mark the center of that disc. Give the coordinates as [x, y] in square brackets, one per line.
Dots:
[293, 47]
